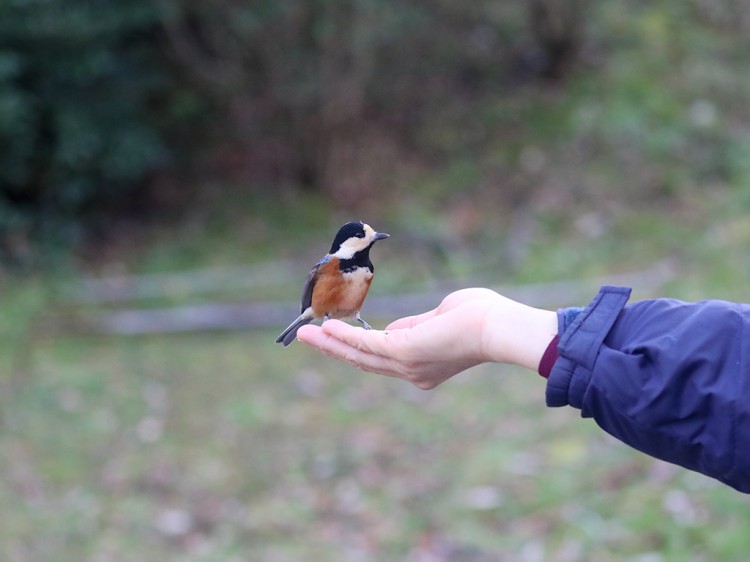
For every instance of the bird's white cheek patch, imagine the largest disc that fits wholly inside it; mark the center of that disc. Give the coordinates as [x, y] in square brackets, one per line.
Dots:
[351, 247]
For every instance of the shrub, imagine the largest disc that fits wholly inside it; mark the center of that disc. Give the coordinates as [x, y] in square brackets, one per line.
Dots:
[80, 81]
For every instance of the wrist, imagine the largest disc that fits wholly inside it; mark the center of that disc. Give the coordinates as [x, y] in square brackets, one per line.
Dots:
[519, 334]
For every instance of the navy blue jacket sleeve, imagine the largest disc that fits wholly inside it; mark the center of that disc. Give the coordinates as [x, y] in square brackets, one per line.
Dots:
[667, 377]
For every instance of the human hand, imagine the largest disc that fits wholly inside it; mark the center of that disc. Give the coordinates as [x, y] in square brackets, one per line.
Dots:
[469, 327]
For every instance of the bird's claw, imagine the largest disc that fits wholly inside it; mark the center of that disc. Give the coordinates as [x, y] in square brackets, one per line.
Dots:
[365, 325]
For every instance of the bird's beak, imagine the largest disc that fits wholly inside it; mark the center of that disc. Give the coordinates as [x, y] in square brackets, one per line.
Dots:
[380, 236]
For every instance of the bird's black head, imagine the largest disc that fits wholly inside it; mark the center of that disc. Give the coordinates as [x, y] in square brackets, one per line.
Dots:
[354, 237]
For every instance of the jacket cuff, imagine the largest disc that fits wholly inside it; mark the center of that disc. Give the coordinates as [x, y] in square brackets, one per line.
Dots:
[580, 342]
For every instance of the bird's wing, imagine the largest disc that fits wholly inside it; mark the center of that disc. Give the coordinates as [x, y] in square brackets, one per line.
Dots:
[312, 277]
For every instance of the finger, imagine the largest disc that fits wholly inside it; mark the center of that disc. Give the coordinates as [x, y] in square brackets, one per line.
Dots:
[411, 321]
[310, 334]
[369, 341]
[451, 301]
[316, 337]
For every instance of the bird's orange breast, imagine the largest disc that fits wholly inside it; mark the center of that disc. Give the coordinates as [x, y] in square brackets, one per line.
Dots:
[337, 294]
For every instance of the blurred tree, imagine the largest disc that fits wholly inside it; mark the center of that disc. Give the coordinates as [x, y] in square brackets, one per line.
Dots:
[557, 26]
[80, 84]
[325, 92]
[99, 96]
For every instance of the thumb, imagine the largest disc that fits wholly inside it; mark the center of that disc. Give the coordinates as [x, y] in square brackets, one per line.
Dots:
[411, 321]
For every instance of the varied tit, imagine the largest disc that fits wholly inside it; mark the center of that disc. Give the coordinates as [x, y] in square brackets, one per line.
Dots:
[336, 287]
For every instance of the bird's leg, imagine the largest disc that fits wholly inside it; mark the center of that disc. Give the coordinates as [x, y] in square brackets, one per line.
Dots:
[326, 318]
[358, 318]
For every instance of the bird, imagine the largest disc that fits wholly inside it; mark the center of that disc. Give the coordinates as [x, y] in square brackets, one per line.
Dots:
[337, 285]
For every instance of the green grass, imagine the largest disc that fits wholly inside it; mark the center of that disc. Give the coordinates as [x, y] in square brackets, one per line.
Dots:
[227, 447]
[222, 448]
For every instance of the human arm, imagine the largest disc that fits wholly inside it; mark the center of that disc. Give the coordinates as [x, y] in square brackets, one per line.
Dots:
[669, 378]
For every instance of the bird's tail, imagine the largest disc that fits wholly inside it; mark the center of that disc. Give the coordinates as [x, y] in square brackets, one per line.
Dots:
[290, 334]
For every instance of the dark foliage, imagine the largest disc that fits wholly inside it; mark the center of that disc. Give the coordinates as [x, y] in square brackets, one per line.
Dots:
[99, 96]
[86, 100]
[325, 93]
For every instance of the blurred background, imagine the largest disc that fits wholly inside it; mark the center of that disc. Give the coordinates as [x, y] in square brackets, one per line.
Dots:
[169, 171]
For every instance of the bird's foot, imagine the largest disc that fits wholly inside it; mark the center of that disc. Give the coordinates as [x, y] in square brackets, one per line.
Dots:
[365, 325]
